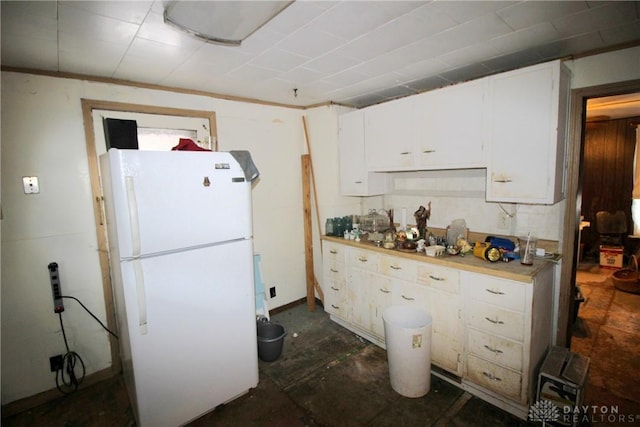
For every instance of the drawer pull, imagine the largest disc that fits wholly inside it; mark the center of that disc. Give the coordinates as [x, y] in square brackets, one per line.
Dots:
[337, 307]
[502, 180]
[395, 267]
[335, 289]
[404, 153]
[428, 151]
[358, 182]
[384, 291]
[491, 376]
[495, 322]
[494, 292]
[333, 251]
[408, 298]
[493, 350]
[439, 279]
[333, 270]
[363, 259]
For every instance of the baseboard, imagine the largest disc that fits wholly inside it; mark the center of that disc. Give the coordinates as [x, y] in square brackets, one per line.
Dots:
[31, 402]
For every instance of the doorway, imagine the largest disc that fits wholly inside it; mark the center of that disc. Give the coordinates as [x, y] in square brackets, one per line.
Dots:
[607, 324]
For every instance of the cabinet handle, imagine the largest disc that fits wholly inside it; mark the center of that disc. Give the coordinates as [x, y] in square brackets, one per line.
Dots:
[429, 151]
[491, 376]
[335, 289]
[493, 350]
[363, 259]
[333, 251]
[408, 298]
[495, 322]
[439, 279]
[337, 307]
[395, 267]
[384, 291]
[491, 291]
[503, 180]
[358, 182]
[404, 153]
[333, 270]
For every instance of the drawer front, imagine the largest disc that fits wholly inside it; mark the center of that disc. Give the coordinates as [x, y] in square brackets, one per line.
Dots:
[495, 349]
[335, 297]
[441, 278]
[493, 377]
[503, 293]
[334, 270]
[496, 321]
[405, 293]
[335, 252]
[398, 267]
[365, 260]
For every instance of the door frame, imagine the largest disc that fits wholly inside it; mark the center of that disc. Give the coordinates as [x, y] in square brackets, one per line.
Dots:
[88, 105]
[571, 220]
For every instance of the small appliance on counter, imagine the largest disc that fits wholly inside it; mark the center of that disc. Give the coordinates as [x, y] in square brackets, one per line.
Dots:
[375, 223]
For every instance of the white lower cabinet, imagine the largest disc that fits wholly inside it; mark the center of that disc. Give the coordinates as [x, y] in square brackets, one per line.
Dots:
[507, 334]
[489, 332]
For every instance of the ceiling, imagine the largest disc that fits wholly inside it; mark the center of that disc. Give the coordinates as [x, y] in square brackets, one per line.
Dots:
[355, 53]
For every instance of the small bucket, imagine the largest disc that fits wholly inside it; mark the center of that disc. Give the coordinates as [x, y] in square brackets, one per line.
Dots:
[270, 341]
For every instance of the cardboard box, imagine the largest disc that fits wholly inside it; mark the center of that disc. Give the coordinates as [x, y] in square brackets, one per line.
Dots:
[611, 257]
[562, 381]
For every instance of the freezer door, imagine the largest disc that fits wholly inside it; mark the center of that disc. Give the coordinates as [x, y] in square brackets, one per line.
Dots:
[160, 201]
[198, 347]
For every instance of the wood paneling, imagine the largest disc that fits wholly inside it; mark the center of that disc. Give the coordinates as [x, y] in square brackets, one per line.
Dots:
[607, 180]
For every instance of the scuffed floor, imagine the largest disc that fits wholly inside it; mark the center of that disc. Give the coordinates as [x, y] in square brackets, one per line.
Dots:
[328, 376]
[608, 332]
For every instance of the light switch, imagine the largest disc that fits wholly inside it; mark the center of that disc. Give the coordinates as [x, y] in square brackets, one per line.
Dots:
[30, 184]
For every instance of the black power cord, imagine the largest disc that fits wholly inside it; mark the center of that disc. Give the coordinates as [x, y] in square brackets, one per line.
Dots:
[67, 381]
[90, 313]
[67, 372]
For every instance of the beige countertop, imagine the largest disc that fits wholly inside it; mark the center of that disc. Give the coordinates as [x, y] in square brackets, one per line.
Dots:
[513, 270]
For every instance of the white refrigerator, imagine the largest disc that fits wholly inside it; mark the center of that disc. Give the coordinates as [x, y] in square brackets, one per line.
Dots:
[181, 254]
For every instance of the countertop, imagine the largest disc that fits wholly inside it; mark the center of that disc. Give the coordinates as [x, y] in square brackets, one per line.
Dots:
[512, 270]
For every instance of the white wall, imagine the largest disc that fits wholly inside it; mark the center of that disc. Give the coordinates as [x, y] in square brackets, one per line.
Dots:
[617, 66]
[43, 135]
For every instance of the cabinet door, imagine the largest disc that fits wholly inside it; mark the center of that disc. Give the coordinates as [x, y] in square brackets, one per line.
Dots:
[527, 152]
[389, 133]
[450, 128]
[359, 298]
[446, 330]
[381, 293]
[355, 180]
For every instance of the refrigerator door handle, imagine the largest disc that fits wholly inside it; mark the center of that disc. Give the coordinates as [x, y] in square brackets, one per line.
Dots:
[133, 216]
[142, 298]
[135, 253]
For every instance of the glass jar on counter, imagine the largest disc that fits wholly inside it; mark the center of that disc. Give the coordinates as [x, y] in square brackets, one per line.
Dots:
[328, 227]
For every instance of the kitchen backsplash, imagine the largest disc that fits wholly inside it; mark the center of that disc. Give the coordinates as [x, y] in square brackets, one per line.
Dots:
[460, 194]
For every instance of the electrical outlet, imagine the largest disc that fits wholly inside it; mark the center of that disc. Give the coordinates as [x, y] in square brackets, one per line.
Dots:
[55, 362]
[272, 292]
[503, 221]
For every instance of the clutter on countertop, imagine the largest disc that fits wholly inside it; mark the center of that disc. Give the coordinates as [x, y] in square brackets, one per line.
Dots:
[378, 228]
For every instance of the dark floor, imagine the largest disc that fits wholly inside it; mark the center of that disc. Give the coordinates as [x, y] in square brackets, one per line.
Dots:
[608, 332]
[327, 376]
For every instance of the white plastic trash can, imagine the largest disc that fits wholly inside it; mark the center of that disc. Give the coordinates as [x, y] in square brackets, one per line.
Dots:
[407, 332]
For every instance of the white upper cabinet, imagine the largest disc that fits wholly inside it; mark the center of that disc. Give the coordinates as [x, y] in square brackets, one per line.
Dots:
[390, 135]
[450, 127]
[527, 116]
[355, 179]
